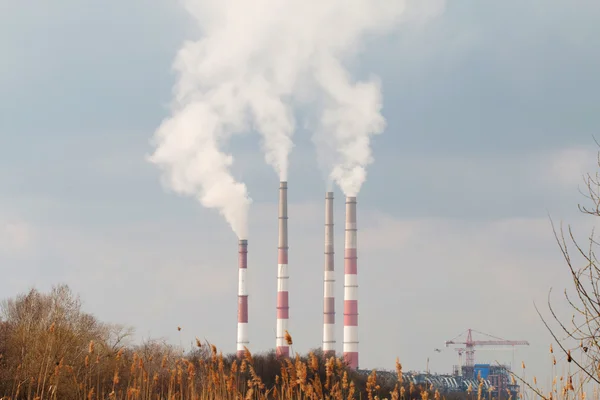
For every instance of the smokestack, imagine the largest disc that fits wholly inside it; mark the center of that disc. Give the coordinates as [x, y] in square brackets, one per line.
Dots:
[329, 282]
[282, 349]
[242, 332]
[350, 287]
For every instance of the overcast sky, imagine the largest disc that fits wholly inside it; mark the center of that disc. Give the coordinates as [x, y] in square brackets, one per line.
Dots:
[491, 111]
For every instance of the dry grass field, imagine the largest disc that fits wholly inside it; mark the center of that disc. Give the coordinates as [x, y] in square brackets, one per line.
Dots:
[51, 349]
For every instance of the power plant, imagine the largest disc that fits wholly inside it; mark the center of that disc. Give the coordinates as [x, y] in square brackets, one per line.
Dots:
[350, 344]
[350, 339]
[488, 379]
[467, 378]
[494, 379]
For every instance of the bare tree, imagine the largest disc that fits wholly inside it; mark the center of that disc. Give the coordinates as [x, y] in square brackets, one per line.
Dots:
[118, 337]
[41, 332]
[578, 338]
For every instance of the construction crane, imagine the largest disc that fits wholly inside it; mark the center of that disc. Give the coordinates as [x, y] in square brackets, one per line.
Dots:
[470, 345]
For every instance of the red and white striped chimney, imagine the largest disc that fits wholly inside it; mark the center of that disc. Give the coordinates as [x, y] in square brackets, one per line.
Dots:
[329, 282]
[282, 348]
[242, 330]
[350, 287]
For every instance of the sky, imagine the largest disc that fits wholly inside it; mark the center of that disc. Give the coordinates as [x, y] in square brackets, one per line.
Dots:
[491, 111]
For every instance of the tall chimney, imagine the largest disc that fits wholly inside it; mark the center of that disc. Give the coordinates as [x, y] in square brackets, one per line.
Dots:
[242, 331]
[329, 282]
[282, 349]
[350, 287]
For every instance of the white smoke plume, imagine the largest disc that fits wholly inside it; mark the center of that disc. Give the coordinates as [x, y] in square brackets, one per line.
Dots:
[193, 164]
[351, 115]
[351, 111]
[254, 62]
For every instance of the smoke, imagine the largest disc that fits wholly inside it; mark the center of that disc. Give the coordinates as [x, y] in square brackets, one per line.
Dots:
[351, 111]
[256, 62]
[240, 50]
[352, 114]
[193, 164]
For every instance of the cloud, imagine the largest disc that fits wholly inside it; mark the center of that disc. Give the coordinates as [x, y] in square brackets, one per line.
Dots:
[480, 185]
[568, 167]
[16, 236]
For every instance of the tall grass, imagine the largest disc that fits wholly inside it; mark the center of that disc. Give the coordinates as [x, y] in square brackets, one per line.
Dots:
[50, 350]
[204, 373]
[157, 371]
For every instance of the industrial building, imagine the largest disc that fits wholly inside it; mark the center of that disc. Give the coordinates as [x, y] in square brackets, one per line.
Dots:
[494, 380]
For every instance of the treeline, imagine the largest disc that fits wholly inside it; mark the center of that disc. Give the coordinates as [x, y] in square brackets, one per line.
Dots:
[51, 349]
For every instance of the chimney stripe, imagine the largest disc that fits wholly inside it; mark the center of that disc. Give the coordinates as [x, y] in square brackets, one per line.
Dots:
[243, 309]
